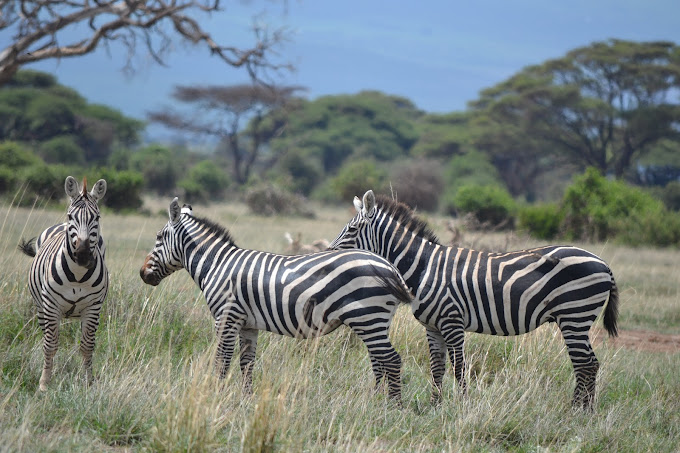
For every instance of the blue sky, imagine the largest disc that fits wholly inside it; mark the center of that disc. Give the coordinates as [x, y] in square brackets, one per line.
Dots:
[439, 54]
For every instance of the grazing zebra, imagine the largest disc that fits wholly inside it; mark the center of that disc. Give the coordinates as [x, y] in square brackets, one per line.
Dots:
[300, 296]
[509, 293]
[68, 277]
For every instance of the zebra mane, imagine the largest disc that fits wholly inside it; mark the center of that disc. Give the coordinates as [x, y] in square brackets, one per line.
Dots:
[405, 215]
[215, 229]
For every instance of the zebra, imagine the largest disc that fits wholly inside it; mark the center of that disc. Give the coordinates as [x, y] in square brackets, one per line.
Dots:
[68, 276]
[511, 293]
[300, 296]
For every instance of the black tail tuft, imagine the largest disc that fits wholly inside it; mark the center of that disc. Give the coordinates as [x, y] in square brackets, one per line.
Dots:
[27, 247]
[611, 312]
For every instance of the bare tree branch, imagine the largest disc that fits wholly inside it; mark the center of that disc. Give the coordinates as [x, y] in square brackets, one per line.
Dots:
[221, 111]
[36, 29]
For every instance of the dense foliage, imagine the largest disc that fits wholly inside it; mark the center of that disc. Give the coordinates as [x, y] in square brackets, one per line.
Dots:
[604, 105]
[609, 105]
[597, 209]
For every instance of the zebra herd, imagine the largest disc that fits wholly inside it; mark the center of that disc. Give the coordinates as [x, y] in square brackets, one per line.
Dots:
[383, 257]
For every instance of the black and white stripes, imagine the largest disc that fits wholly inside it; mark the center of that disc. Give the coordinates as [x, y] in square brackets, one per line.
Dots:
[68, 277]
[510, 293]
[299, 296]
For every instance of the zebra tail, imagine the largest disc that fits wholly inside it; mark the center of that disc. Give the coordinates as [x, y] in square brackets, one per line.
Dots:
[397, 286]
[27, 247]
[611, 312]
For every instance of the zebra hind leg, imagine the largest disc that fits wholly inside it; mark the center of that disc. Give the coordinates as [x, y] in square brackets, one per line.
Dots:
[585, 366]
[437, 347]
[454, 335]
[378, 372]
[385, 359]
[248, 346]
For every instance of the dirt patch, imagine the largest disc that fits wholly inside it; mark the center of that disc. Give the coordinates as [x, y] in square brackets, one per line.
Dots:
[639, 340]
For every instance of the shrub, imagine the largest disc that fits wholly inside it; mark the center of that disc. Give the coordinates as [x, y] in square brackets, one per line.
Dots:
[8, 179]
[14, 155]
[158, 166]
[45, 182]
[492, 205]
[419, 185]
[470, 168]
[63, 149]
[670, 195]
[266, 199]
[542, 221]
[356, 177]
[597, 209]
[123, 189]
[304, 171]
[658, 228]
[205, 181]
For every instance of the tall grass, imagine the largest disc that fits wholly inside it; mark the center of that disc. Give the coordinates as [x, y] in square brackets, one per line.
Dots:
[155, 389]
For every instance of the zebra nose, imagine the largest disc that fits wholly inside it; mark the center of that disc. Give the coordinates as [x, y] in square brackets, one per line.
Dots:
[83, 255]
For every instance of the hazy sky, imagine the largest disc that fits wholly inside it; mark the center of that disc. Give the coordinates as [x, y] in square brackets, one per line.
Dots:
[439, 54]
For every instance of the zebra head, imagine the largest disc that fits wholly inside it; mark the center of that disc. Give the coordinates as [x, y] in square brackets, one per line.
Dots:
[166, 256]
[82, 228]
[358, 233]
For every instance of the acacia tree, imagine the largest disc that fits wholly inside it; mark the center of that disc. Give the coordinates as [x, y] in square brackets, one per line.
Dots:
[37, 30]
[602, 105]
[237, 115]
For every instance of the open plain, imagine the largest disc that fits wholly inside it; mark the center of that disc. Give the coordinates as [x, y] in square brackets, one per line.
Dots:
[155, 389]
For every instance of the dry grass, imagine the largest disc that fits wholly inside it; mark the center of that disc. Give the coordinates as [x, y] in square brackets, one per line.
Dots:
[155, 389]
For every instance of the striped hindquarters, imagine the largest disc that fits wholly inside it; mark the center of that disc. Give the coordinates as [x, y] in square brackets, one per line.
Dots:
[514, 293]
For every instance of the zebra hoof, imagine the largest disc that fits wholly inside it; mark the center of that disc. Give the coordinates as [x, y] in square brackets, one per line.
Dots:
[436, 399]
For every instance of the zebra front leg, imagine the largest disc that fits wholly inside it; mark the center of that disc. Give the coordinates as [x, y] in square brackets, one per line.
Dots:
[228, 327]
[248, 345]
[454, 336]
[88, 326]
[50, 342]
[437, 347]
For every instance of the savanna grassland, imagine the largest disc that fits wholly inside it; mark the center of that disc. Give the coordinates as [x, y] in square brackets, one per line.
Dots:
[155, 389]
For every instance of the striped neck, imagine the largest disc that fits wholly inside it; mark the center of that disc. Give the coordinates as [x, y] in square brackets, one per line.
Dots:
[409, 249]
[202, 241]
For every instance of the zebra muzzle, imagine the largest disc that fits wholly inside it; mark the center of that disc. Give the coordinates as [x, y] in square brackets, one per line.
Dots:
[84, 256]
[148, 275]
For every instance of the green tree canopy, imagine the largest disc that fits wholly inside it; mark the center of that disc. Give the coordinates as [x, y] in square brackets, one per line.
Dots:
[369, 124]
[158, 166]
[603, 105]
[443, 135]
[34, 108]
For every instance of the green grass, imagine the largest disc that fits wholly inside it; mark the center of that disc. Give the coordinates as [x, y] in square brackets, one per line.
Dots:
[155, 389]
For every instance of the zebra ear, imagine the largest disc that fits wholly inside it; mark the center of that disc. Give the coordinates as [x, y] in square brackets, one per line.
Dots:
[98, 190]
[369, 202]
[71, 187]
[174, 211]
[357, 204]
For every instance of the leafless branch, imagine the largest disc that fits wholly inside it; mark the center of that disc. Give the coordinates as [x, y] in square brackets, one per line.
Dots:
[37, 30]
